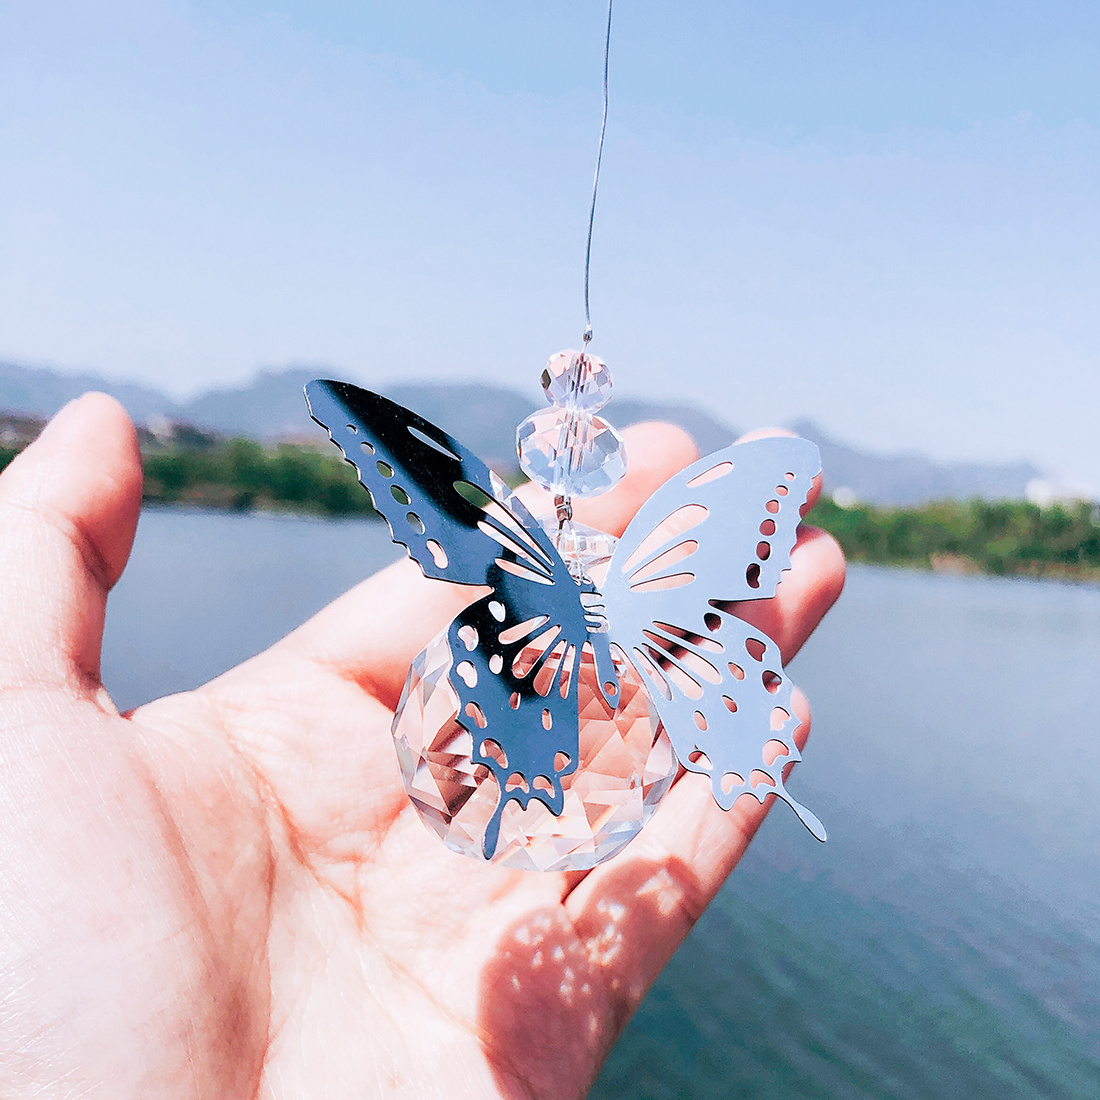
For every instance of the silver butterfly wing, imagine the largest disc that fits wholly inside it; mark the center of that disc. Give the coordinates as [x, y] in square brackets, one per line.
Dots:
[717, 533]
[514, 649]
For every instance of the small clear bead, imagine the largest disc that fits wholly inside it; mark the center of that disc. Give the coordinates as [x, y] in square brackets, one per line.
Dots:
[585, 550]
[577, 380]
[572, 456]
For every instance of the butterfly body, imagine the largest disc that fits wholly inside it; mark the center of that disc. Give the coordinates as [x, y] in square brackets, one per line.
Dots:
[666, 605]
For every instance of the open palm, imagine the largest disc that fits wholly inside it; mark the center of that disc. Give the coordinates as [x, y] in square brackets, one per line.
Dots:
[227, 894]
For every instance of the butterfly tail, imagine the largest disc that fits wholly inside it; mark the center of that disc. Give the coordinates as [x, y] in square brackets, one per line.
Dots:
[492, 830]
[806, 816]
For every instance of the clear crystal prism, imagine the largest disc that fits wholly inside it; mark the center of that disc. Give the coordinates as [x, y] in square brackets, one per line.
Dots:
[626, 765]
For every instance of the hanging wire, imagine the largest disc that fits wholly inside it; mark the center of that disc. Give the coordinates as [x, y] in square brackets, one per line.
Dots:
[596, 179]
[569, 438]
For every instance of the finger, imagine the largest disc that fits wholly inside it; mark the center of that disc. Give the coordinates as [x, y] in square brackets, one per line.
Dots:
[372, 633]
[69, 507]
[648, 899]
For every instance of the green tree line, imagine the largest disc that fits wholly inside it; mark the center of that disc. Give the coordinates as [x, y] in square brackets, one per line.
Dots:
[241, 473]
[998, 537]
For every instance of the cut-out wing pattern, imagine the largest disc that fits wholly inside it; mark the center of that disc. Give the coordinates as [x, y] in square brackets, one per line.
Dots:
[719, 532]
[514, 649]
[438, 498]
[517, 697]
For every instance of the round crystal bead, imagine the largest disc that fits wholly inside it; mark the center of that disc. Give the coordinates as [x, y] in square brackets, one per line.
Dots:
[571, 455]
[577, 380]
[585, 550]
[626, 765]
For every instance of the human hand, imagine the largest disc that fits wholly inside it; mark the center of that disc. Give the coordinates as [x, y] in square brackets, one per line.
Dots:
[227, 894]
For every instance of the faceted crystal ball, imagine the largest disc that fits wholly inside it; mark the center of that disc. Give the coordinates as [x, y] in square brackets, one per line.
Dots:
[626, 765]
[571, 455]
[577, 380]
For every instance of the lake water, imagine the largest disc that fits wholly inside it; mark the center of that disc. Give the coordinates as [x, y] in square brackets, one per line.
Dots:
[945, 943]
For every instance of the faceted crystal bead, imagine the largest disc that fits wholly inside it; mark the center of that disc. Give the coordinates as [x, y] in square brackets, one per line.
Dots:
[571, 455]
[577, 380]
[584, 550]
[626, 765]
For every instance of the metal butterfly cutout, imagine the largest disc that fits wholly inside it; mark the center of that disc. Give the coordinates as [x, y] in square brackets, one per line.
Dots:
[716, 534]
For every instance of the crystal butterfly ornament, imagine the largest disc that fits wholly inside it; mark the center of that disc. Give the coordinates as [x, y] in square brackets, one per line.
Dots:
[543, 726]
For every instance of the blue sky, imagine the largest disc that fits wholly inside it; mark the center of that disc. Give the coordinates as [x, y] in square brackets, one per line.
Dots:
[881, 216]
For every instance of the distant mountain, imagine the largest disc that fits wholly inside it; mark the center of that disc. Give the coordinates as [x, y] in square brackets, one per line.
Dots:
[269, 406]
[35, 391]
[912, 478]
[484, 417]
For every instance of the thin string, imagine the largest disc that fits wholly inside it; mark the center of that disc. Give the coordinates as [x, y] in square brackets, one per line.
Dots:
[596, 179]
[569, 438]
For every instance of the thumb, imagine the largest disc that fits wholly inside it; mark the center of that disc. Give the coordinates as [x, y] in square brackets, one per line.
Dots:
[68, 513]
